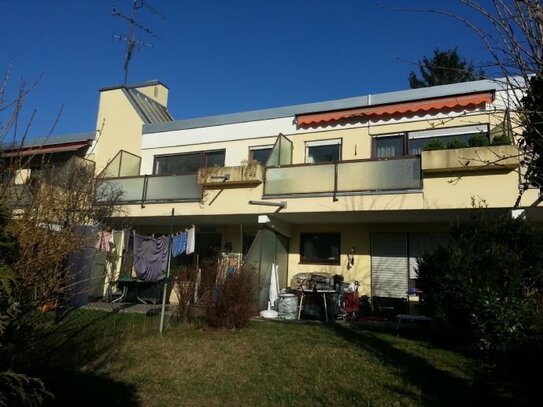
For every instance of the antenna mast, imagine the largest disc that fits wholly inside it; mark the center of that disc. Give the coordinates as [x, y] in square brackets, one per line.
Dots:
[133, 43]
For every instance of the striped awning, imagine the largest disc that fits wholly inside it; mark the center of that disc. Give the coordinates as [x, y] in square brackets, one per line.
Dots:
[416, 107]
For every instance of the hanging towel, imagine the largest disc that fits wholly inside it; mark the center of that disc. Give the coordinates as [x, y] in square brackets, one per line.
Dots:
[191, 240]
[179, 244]
[274, 285]
[150, 257]
[126, 238]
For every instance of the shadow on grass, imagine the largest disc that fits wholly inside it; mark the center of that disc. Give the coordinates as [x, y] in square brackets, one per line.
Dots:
[437, 386]
[74, 361]
[73, 388]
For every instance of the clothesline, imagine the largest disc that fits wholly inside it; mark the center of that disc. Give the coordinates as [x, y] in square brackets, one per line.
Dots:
[105, 237]
[184, 242]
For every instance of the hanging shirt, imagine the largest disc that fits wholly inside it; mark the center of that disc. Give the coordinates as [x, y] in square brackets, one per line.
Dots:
[150, 257]
[191, 240]
[103, 242]
[179, 244]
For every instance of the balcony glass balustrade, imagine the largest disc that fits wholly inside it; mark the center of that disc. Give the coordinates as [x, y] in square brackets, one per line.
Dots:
[345, 177]
[151, 189]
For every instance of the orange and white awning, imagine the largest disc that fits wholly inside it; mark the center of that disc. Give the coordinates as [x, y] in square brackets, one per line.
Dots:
[416, 107]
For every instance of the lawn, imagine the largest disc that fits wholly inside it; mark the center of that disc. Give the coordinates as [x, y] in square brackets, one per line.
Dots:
[122, 360]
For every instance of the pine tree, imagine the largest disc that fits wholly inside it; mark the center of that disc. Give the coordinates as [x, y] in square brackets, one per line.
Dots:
[443, 68]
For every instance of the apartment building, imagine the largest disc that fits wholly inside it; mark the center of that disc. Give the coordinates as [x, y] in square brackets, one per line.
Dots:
[358, 187]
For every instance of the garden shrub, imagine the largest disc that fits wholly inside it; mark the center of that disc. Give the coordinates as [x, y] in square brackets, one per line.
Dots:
[479, 140]
[186, 285]
[435, 144]
[501, 140]
[16, 388]
[230, 303]
[485, 287]
[455, 143]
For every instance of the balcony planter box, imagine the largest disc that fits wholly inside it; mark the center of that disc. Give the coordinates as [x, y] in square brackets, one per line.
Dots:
[472, 158]
[249, 175]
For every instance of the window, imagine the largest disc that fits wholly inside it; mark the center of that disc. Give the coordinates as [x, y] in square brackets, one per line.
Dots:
[389, 146]
[320, 248]
[419, 139]
[323, 151]
[189, 163]
[260, 154]
[413, 142]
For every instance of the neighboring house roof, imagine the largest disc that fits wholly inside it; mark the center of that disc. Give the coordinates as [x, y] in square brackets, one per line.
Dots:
[411, 95]
[49, 144]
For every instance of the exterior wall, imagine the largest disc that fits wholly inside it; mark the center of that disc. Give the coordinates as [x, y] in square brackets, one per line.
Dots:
[443, 190]
[238, 137]
[236, 151]
[219, 134]
[352, 235]
[157, 92]
[356, 138]
[118, 126]
[462, 190]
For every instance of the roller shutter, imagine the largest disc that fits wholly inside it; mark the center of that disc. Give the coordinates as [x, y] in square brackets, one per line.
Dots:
[389, 265]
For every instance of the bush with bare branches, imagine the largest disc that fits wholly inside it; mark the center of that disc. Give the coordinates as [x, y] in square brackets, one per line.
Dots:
[230, 302]
[41, 224]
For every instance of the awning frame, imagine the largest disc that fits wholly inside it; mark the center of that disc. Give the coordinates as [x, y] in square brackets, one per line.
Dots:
[394, 109]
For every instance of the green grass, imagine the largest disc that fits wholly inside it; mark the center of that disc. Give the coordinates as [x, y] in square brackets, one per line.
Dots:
[123, 360]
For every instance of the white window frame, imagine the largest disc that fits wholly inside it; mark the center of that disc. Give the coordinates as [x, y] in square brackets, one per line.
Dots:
[320, 143]
[256, 148]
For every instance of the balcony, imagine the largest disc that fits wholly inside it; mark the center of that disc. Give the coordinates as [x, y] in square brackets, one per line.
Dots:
[344, 177]
[249, 175]
[473, 158]
[151, 189]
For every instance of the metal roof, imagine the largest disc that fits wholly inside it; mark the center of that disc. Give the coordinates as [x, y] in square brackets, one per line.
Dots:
[135, 85]
[46, 149]
[149, 110]
[50, 140]
[361, 101]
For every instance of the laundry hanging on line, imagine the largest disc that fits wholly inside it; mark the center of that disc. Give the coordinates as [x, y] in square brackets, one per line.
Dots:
[103, 242]
[179, 244]
[150, 257]
[191, 240]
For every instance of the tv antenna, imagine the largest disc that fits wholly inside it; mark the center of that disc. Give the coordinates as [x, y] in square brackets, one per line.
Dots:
[133, 43]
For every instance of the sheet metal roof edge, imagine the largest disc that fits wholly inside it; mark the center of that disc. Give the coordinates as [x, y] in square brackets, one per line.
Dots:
[51, 140]
[249, 116]
[135, 105]
[339, 104]
[135, 85]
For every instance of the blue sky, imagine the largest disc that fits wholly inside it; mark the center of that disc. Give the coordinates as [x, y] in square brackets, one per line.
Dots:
[220, 56]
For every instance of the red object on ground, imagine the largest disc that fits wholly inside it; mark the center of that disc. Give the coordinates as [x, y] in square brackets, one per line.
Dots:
[352, 302]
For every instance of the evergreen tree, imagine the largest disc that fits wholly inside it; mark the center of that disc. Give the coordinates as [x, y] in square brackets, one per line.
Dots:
[532, 135]
[443, 68]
